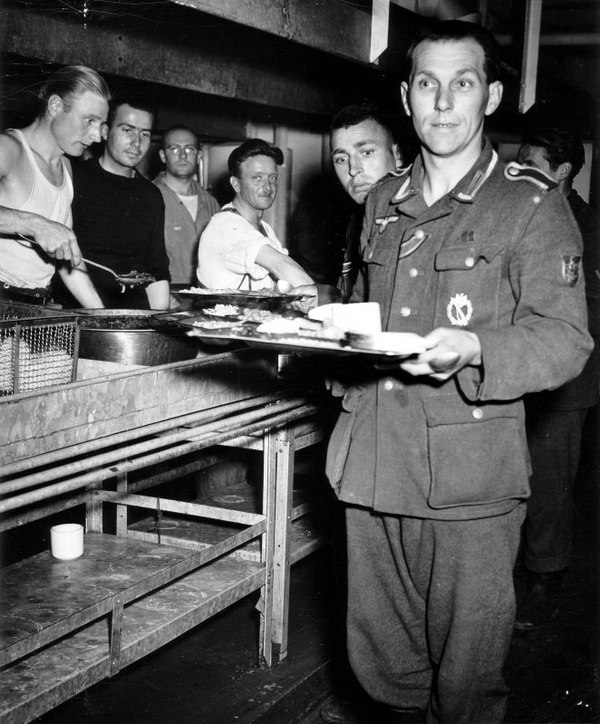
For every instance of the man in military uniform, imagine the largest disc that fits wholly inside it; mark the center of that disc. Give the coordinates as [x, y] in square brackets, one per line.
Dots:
[555, 419]
[430, 455]
[363, 151]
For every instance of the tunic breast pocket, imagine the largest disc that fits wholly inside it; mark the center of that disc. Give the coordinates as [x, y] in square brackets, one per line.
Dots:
[379, 258]
[468, 286]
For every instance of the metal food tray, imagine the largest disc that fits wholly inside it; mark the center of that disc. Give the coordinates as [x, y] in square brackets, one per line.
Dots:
[278, 342]
[256, 299]
[39, 347]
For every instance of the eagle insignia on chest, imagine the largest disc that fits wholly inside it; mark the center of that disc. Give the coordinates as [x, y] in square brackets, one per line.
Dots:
[383, 221]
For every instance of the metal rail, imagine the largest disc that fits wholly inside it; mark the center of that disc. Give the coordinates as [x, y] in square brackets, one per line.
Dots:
[87, 447]
[202, 437]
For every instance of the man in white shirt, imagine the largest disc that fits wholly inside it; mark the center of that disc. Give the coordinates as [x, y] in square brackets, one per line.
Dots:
[238, 250]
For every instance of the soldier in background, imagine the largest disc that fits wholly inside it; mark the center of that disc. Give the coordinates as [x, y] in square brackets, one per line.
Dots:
[555, 419]
[363, 151]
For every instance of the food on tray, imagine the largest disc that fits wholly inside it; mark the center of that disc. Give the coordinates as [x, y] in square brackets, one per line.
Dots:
[201, 298]
[302, 328]
[241, 314]
[222, 310]
[242, 292]
[215, 323]
[228, 316]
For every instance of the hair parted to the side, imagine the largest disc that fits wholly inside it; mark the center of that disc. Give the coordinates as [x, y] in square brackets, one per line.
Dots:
[449, 31]
[252, 147]
[70, 82]
[559, 145]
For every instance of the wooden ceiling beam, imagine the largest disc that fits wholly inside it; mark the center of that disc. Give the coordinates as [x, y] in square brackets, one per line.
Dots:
[338, 28]
[250, 71]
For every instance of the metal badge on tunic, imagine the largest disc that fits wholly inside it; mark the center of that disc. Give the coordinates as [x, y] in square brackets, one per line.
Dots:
[459, 310]
[570, 268]
[383, 221]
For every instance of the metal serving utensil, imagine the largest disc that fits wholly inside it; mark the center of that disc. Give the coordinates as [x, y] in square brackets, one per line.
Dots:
[131, 279]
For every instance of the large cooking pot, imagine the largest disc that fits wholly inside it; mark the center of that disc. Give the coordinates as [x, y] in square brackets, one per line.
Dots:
[132, 336]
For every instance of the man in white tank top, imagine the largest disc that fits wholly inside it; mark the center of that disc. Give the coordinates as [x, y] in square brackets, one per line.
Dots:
[36, 190]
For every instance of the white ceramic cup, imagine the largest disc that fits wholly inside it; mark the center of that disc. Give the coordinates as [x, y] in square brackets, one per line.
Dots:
[66, 541]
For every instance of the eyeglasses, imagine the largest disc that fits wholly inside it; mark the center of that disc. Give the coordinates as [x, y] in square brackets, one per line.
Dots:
[187, 150]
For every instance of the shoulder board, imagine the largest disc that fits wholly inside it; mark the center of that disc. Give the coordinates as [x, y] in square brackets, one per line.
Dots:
[516, 172]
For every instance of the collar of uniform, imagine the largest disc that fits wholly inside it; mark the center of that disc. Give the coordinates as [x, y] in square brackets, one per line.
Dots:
[468, 187]
[406, 187]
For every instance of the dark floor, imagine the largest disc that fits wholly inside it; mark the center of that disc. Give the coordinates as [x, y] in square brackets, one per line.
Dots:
[209, 676]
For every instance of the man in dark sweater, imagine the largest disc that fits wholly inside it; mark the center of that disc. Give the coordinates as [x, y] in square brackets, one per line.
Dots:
[118, 215]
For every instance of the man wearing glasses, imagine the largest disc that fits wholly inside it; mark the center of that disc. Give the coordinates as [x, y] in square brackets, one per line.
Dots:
[188, 207]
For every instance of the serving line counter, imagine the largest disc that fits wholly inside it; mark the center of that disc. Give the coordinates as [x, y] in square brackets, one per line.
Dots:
[99, 445]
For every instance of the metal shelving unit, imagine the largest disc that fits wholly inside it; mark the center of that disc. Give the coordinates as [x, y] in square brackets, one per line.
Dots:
[68, 624]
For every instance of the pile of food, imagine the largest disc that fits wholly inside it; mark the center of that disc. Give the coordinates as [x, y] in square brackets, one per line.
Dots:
[228, 316]
[301, 328]
[242, 293]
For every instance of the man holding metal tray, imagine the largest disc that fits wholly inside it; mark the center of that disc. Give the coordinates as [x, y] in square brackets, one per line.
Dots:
[430, 454]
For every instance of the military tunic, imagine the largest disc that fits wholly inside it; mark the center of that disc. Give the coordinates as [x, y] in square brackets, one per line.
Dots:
[436, 472]
[496, 257]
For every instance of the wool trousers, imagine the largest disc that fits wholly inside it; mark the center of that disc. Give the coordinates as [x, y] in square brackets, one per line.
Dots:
[431, 610]
[554, 440]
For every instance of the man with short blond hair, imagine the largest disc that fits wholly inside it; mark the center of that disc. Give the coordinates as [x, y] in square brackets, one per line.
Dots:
[36, 190]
